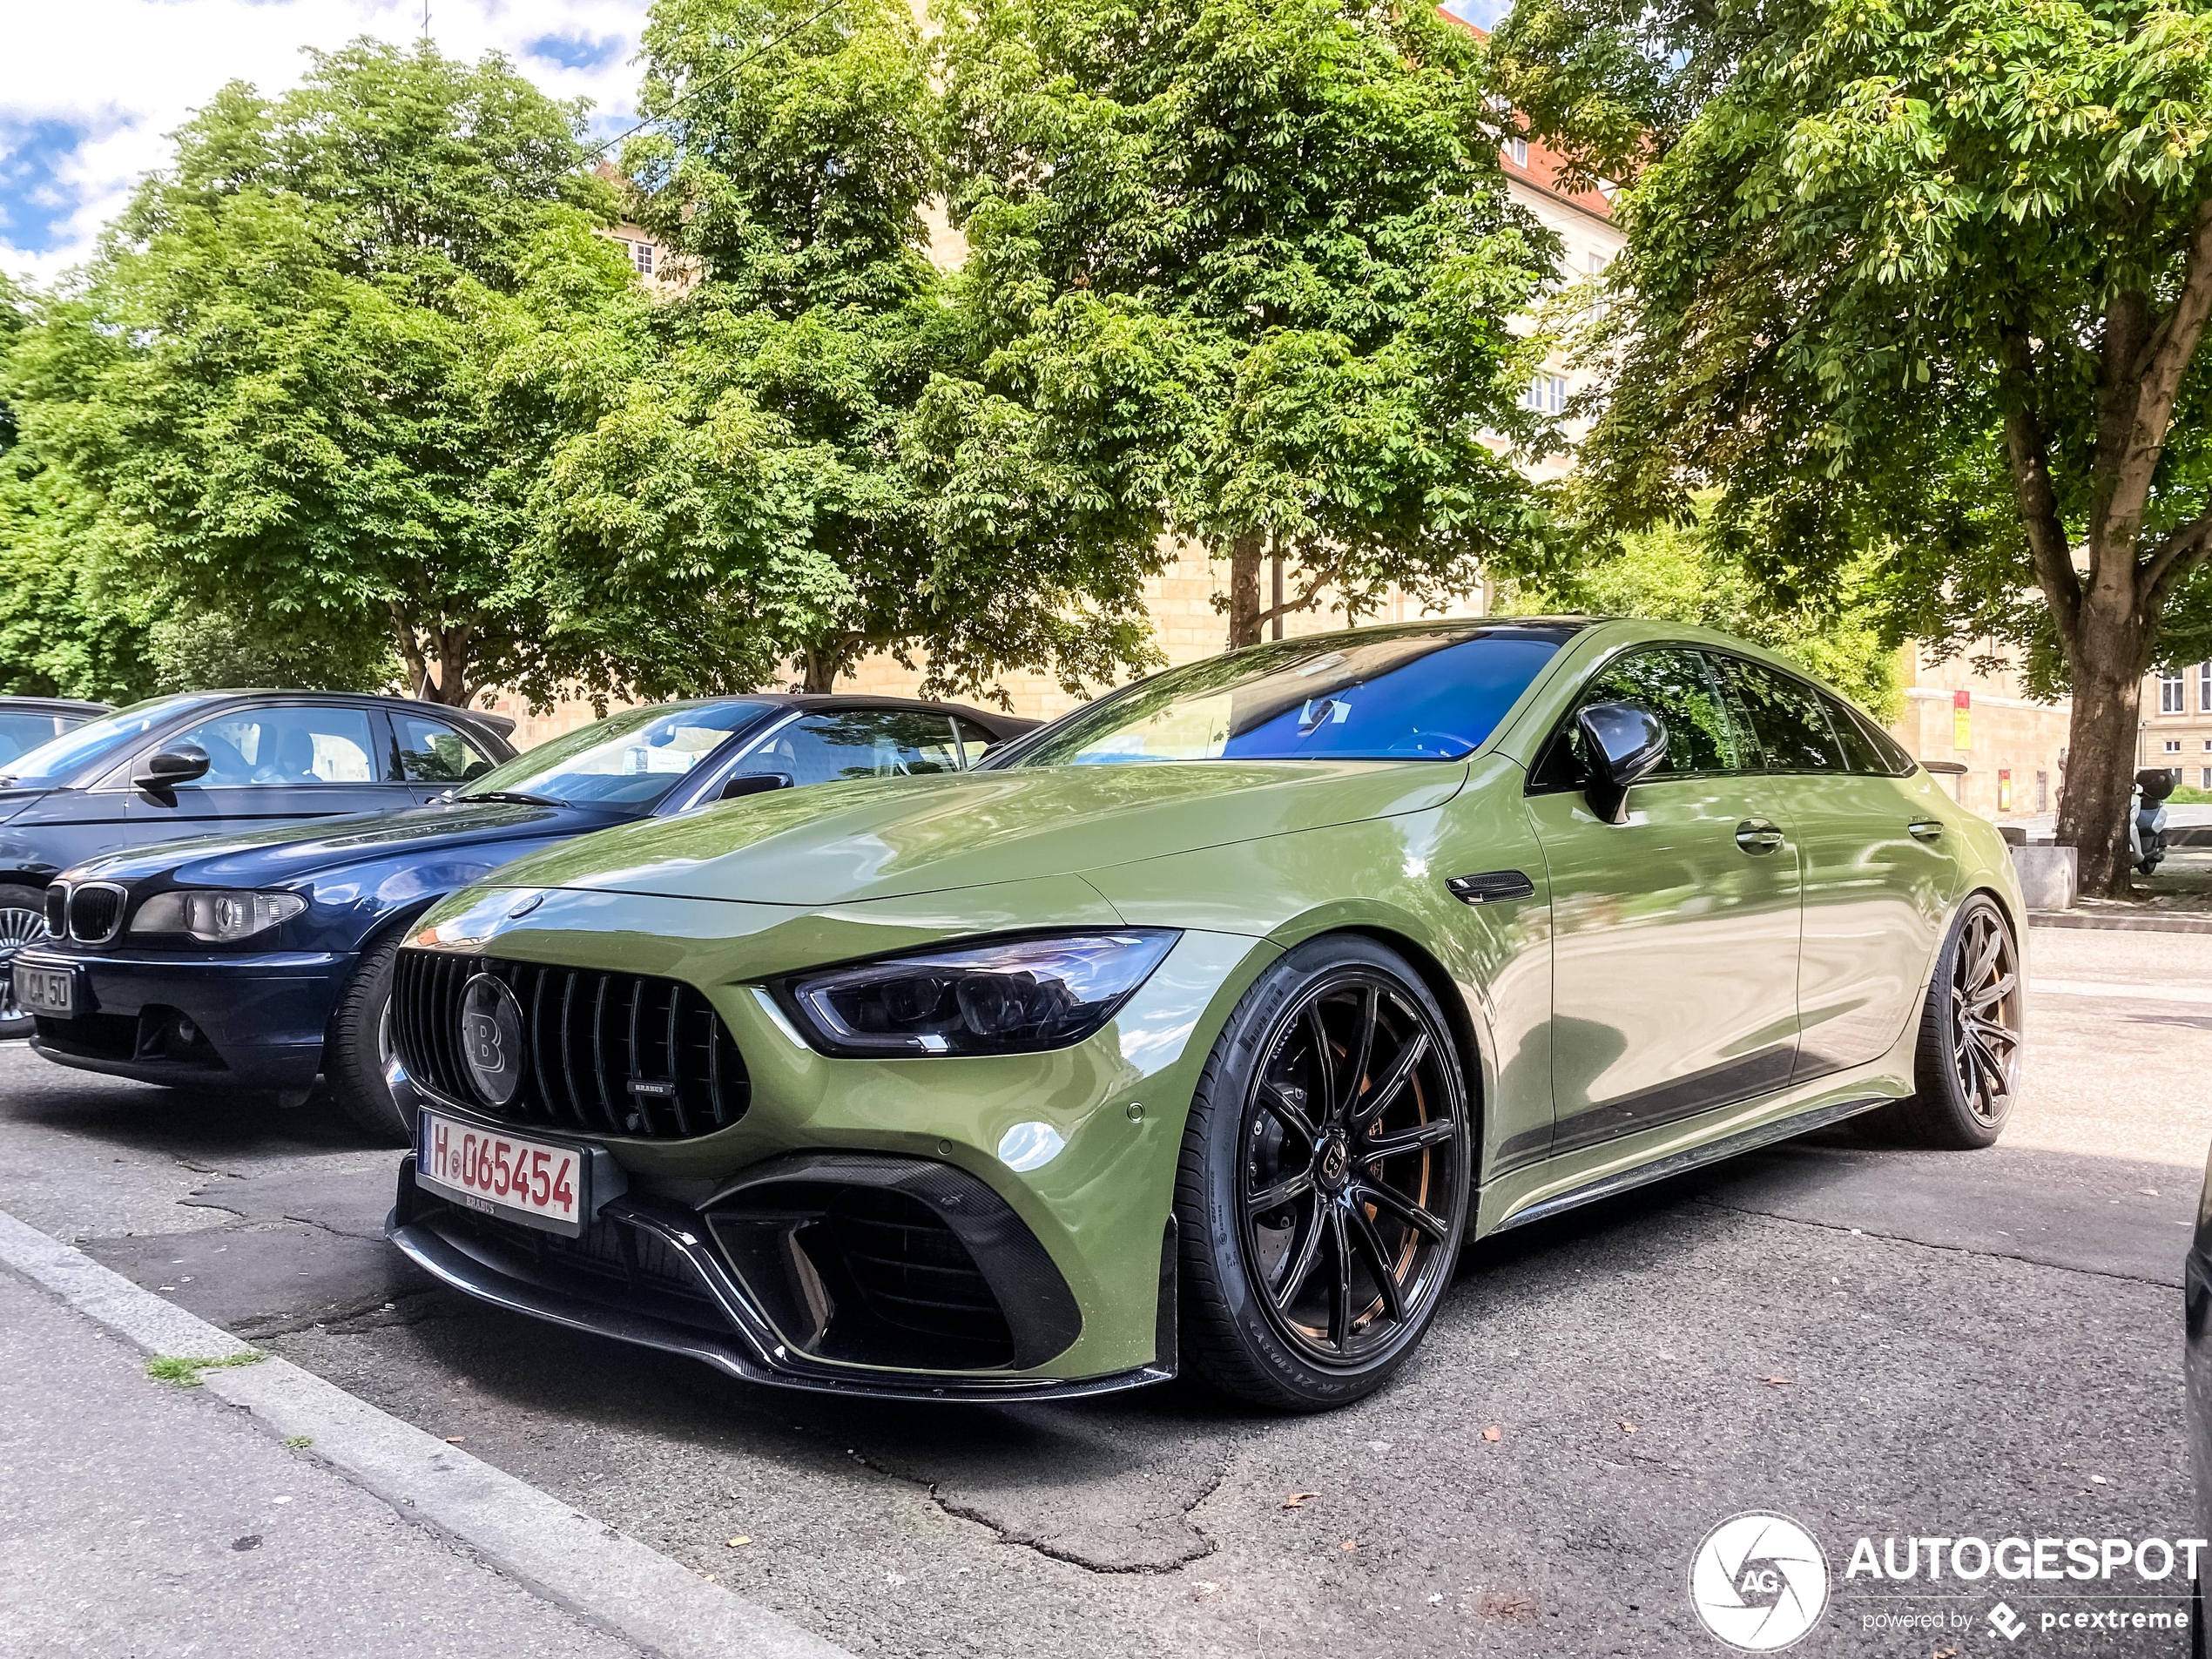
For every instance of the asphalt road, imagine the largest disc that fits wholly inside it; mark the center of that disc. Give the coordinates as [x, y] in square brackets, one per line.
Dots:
[1868, 1340]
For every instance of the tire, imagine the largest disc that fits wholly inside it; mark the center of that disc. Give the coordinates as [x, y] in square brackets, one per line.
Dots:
[23, 918]
[1966, 1065]
[359, 1038]
[1311, 1267]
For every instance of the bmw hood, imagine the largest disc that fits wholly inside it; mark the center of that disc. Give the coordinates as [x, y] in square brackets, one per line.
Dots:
[879, 839]
[272, 857]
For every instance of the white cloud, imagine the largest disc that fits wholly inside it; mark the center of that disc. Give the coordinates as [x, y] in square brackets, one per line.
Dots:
[117, 75]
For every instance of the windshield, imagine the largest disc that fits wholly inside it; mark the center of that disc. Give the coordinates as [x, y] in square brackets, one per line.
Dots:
[1424, 694]
[631, 758]
[60, 759]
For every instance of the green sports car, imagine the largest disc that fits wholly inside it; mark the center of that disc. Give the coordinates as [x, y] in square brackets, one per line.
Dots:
[1202, 1027]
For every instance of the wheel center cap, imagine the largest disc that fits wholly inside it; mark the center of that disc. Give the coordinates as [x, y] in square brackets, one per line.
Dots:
[1336, 1160]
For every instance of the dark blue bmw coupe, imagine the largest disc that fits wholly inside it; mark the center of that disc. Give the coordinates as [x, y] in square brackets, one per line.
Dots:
[263, 960]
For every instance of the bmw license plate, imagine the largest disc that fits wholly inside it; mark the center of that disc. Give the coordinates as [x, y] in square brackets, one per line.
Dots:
[536, 1183]
[50, 991]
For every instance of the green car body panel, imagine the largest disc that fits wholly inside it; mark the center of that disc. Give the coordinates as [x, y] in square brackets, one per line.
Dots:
[1616, 1022]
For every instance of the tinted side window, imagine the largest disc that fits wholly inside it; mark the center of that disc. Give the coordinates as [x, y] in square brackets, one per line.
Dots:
[1867, 748]
[433, 753]
[857, 743]
[281, 745]
[1675, 683]
[1786, 717]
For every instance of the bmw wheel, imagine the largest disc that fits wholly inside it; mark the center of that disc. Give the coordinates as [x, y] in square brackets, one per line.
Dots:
[1323, 1190]
[1967, 1070]
[360, 1042]
[23, 918]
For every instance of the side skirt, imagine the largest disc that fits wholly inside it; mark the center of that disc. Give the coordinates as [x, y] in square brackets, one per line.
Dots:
[1694, 1157]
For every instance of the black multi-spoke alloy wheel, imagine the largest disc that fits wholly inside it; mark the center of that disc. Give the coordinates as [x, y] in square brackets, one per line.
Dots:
[1323, 1190]
[22, 920]
[1966, 1071]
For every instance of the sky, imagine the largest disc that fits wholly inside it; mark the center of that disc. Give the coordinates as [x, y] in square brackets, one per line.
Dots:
[89, 88]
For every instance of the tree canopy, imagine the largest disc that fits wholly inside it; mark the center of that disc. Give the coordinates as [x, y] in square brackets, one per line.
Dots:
[1924, 281]
[1296, 207]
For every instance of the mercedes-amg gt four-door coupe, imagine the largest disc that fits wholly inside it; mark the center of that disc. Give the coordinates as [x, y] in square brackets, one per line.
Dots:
[1202, 1025]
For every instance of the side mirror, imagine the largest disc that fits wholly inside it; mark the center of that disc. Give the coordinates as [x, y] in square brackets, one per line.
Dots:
[1624, 742]
[756, 783]
[163, 770]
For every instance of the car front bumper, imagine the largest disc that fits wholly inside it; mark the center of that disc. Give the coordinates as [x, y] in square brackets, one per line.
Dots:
[255, 1022]
[1075, 1246]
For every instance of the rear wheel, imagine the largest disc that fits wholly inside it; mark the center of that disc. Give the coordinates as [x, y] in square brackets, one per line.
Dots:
[360, 1040]
[1968, 1066]
[1322, 1195]
[23, 918]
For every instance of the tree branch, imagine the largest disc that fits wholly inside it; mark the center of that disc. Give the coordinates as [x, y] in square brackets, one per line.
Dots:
[2156, 367]
[1312, 591]
[2184, 550]
[2027, 450]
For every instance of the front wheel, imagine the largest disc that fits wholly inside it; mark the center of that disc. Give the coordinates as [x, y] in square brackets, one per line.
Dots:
[1323, 1190]
[360, 1040]
[1966, 1068]
[22, 920]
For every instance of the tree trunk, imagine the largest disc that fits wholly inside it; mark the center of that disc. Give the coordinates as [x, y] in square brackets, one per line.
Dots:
[2107, 656]
[818, 671]
[1244, 610]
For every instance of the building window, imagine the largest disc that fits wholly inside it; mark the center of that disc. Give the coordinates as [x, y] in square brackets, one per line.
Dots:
[2205, 772]
[2172, 745]
[2042, 792]
[1518, 148]
[2204, 688]
[641, 255]
[1546, 394]
[2169, 694]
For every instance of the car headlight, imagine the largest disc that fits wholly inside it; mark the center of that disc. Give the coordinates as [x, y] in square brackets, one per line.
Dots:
[1008, 997]
[215, 916]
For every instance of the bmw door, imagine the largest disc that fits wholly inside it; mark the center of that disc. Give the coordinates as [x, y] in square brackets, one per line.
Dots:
[1675, 933]
[275, 762]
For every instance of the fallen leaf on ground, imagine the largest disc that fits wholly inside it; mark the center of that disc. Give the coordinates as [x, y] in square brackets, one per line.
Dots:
[1626, 1427]
[452, 1439]
[1492, 1433]
[1298, 1499]
[1779, 1382]
[1207, 1589]
[738, 1543]
[1349, 1543]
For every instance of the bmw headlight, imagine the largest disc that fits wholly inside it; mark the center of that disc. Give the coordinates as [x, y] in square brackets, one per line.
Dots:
[1008, 997]
[215, 914]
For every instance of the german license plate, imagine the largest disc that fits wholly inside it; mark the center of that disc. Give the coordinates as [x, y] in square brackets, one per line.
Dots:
[533, 1182]
[50, 991]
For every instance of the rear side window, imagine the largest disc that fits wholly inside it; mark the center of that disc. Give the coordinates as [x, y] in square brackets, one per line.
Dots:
[1787, 718]
[433, 753]
[1867, 748]
[857, 743]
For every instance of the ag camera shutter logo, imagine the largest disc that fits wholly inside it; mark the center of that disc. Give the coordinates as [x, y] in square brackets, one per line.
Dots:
[1758, 1581]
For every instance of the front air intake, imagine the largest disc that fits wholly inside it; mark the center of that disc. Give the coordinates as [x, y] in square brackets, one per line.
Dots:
[608, 1054]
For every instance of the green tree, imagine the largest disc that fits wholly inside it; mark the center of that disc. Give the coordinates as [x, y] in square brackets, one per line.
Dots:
[804, 440]
[279, 382]
[1298, 204]
[1927, 282]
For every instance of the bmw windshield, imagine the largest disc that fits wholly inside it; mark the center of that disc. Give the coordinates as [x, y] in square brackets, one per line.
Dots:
[56, 762]
[1430, 693]
[629, 760]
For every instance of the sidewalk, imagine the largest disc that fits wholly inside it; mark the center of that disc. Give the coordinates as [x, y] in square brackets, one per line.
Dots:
[146, 1519]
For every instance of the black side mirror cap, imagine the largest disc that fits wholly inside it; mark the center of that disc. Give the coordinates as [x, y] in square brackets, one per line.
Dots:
[164, 769]
[1625, 741]
[756, 783]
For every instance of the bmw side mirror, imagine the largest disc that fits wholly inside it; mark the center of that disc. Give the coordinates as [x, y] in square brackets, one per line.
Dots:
[756, 783]
[1624, 742]
[164, 769]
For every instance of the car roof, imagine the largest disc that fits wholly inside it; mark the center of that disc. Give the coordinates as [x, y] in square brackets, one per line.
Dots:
[502, 724]
[993, 720]
[54, 705]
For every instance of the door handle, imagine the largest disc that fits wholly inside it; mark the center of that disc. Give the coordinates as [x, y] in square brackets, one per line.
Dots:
[1755, 836]
[1925, 829]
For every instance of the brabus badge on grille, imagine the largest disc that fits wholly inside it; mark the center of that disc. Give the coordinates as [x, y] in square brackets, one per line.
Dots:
[491, 1038]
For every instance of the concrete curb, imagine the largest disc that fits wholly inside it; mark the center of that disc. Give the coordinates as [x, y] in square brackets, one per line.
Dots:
[560, 1553]
[2150, 924]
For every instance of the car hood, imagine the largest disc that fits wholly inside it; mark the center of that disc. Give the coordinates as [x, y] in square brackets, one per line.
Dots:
[272, 857]
[837, 843]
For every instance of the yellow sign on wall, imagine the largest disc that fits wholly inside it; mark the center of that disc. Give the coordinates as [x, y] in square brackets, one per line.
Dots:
[1962, 719]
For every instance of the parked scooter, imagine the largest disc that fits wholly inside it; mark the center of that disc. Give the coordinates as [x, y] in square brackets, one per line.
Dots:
[2147, 817]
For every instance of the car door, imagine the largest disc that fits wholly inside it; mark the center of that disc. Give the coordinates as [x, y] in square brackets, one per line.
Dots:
[827, 745]
[1874, 891]
[275, 762]
[1675, 933]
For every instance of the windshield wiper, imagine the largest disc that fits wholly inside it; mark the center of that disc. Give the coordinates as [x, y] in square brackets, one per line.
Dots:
[515, 795]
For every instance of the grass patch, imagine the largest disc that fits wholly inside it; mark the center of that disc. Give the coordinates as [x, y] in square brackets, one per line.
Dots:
[298, 1442]
[185, 1370]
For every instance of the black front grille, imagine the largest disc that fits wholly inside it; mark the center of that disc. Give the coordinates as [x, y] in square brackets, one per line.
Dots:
[95, 913]
[612, 1262]
[623, 1053]
[58, 911]
[913, 1270]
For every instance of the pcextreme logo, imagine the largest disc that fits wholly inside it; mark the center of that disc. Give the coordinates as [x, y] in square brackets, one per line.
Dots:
[1758, 1581]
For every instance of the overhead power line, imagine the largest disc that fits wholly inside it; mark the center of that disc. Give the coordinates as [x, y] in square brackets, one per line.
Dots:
[719, 76]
